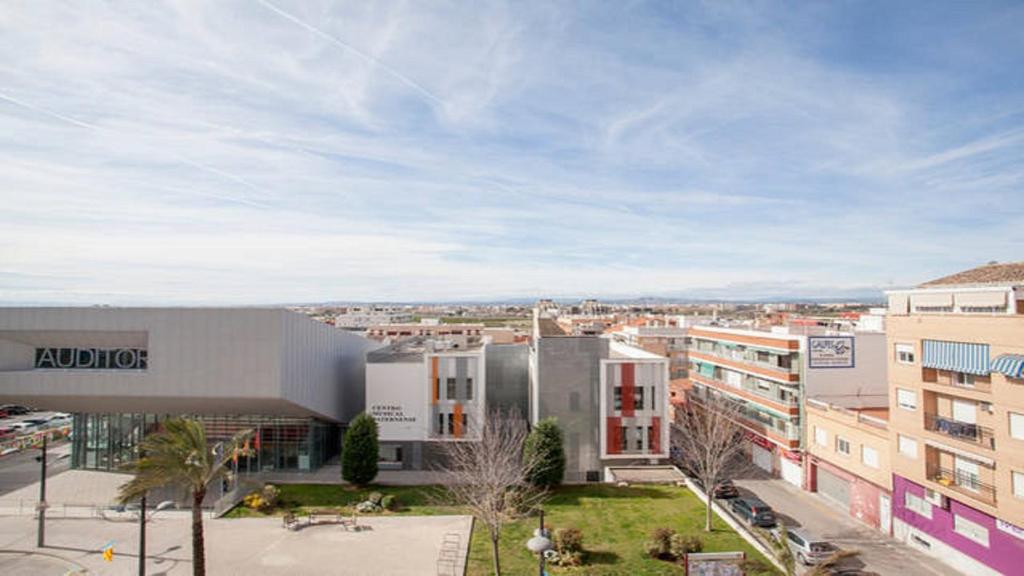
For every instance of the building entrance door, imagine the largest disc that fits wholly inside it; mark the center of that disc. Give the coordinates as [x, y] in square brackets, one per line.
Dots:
[884, 513]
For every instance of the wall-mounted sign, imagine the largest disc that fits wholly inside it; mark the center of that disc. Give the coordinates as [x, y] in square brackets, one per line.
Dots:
[830, 352]
[1010, 528]
[92, 358]
[390, 413]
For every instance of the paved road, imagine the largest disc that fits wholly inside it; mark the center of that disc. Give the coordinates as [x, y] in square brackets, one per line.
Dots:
[819, 516]
[21, 469]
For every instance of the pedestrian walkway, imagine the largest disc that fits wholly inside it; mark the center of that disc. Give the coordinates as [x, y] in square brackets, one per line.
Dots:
[879, 553]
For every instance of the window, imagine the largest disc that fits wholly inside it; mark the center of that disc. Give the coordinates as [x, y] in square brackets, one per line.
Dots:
[450, 389]
[1018, 483]
[440, 424]
[970, 530]
[907, 446]
[963, 379]
[906, 399]
[465, 422]
[966, 473]
[617, 403]
[1017, 426]
[638, 398]
[842, 445]
[653, 396]
[917, 504]
[820, 436]
[623, 441]
[869, 456]
[905, 353]
[451, 424]
[639, 437]
[469, 388]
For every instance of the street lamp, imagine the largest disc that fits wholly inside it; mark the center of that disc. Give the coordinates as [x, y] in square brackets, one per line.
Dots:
[540, 543]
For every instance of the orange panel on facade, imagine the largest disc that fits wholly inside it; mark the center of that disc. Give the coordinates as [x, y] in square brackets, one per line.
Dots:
[435, 382]
[457, 415]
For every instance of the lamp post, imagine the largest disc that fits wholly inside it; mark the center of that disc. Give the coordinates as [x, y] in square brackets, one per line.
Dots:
[540, 543]
[41, 529]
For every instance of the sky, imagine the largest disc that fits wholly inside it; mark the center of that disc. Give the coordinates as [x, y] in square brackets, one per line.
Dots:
[267, 151]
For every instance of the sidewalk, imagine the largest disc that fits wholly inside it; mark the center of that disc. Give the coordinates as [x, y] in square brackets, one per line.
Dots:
[879, 553]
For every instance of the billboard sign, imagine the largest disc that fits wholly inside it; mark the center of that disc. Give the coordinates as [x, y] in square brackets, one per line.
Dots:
[830, 352]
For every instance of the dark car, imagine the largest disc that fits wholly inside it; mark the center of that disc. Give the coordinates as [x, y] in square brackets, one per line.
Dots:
[726, 490]
[15, 410]
[754, 512]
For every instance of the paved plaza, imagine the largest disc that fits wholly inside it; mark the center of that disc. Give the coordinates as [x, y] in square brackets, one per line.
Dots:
[397, 546]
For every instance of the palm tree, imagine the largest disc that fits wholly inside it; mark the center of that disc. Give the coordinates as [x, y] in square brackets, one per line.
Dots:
[180, 456]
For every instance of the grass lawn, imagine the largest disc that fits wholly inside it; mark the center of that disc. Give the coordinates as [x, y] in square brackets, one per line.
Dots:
[615, 523]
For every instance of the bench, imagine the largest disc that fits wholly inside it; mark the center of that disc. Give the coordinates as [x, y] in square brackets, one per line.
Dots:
[290, 521]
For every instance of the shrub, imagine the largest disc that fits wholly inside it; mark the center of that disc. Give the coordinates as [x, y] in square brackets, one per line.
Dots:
[660, 544]
[568, 540]
[544, 444]
[360, 451]
[270, 495]
[375, 497]
[515, 504]
[682, 544]
[389, 502]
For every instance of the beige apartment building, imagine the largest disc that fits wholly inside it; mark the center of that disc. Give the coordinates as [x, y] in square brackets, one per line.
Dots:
[956, 356]
[848, 459]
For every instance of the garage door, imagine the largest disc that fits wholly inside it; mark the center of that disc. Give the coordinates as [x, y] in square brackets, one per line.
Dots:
[762, 458]
[792, 472]
[833, 487]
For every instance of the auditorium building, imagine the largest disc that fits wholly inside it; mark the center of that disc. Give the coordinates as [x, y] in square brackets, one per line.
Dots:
[295, 381]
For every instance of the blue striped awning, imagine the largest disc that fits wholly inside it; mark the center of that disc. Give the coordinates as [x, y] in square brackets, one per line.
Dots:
[956, 356]
[1011, 365]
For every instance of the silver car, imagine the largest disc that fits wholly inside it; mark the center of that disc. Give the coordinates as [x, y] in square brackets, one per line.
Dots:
[808, 549]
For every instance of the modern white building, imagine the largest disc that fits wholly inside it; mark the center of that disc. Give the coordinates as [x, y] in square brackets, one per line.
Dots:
[425, 391]
[362, 317]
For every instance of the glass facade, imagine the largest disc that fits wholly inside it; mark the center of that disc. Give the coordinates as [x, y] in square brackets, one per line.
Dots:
[280, 444]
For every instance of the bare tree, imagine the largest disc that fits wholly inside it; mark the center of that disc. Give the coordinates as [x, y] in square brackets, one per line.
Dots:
[710, 440]
[489, 475]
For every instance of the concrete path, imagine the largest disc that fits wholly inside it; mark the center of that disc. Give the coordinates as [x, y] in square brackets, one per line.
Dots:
[394, 545]
[879, 553]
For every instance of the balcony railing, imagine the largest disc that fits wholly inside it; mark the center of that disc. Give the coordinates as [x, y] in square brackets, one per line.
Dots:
[963, 431]
[749, 389]
[931, 376]
[744, 359]
[964, 483]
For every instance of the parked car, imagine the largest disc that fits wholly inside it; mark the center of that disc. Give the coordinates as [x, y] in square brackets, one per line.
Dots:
[23, 427]
[6, 432]
[727, 490]
[15, 409]
[4, 414]
[754, 512]
[59, 421]
[807, 548]
[37, 422]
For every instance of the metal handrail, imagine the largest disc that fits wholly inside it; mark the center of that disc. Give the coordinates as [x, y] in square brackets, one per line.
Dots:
[964, 483]
[964, 431]
[794, 402]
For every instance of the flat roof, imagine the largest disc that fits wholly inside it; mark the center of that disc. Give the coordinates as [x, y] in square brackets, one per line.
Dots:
[620, 350]
[412, 349]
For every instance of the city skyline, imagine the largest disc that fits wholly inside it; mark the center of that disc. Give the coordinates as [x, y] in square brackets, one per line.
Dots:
[268, 152]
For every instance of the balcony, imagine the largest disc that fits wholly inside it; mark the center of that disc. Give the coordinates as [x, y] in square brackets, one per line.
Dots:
[950, 380]
[963, 431]
[740, 357]
[967, 484]
[773, 395]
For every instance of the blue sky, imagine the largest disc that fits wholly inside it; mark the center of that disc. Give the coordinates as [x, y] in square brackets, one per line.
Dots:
[269, 151]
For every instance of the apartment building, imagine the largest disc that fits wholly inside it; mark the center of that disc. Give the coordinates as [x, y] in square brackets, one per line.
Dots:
[362, 317]
[769, 373]
[847, 458]
[956, 366]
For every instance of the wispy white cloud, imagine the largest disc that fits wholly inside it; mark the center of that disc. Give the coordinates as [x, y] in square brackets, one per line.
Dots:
[285, 151]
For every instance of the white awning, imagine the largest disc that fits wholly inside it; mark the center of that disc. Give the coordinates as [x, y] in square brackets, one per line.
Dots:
[898, 304]
[932, 299]
[986, 299]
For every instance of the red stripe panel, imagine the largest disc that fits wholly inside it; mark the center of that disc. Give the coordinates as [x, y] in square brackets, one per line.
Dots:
[655, 446]
[628, 388]
[614, 440]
